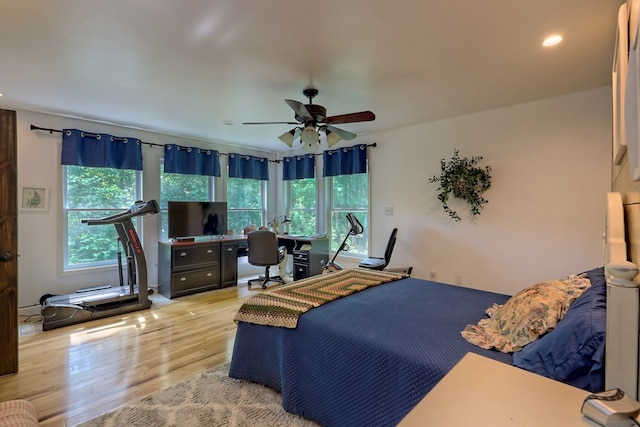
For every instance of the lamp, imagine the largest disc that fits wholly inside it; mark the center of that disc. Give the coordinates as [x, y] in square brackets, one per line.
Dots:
[309, 134]
[274, 222]
[332, 138]
[289, 136]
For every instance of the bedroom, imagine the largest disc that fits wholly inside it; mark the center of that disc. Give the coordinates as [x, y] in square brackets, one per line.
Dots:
[545, 153]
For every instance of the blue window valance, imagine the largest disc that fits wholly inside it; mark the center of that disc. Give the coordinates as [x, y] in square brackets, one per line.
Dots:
[191, 160]
[100, 150]
[299, 167]
[242, 166]
[345, 161]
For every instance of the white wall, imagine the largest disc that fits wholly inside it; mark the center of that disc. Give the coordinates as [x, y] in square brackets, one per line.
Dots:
[544, 219]
[546, 210]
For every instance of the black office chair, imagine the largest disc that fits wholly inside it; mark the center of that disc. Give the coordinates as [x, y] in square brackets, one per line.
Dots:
[375, 263]
[264, 251]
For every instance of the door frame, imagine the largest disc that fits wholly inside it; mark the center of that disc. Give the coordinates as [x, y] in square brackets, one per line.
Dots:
[8, 244]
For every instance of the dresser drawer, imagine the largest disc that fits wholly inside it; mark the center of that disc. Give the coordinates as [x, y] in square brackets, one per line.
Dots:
[300, 271]
[194, 255]
[196, 280]
[301, 256]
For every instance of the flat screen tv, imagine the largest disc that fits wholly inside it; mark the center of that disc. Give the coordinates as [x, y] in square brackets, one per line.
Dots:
[194, 219]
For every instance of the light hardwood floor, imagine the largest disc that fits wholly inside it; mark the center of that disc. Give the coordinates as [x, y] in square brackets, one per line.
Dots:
[75, 373]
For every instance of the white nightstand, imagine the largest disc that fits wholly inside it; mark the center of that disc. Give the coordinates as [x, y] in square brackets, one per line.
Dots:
[482, 392]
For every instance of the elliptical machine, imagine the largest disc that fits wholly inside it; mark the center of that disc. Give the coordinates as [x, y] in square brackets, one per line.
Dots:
[95, 303]
[355, 229]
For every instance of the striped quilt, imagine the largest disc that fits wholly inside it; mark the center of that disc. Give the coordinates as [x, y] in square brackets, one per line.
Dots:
[282, 306]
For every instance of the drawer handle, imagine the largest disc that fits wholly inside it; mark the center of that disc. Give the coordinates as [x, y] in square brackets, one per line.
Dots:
[183, 254]
[229, 249]
[210, 251]
[182, 279]
[209, 274]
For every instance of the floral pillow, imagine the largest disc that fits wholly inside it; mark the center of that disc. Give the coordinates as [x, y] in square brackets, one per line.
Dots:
[527, 315]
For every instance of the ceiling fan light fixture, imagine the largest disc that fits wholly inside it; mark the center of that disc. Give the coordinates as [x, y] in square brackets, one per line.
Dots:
[312, 120]
[288, 137]
[309, 135]
[310, 146]
[332, 138]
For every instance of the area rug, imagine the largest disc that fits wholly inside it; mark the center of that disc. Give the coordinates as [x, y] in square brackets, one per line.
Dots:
[208, 399]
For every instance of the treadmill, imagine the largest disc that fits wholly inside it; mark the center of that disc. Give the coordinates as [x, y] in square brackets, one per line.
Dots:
[95, 303]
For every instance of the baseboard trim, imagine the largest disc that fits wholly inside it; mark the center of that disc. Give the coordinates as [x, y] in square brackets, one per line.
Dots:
[29, 310]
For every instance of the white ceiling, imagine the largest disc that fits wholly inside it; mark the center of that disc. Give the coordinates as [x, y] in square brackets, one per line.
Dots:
[185, 67]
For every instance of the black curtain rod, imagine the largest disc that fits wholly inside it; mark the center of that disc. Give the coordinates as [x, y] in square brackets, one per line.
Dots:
[51, 131]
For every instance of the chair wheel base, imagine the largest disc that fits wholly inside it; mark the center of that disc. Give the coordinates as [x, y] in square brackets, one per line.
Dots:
[264, 282]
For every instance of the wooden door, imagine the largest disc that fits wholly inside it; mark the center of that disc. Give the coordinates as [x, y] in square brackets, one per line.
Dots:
[8, 244]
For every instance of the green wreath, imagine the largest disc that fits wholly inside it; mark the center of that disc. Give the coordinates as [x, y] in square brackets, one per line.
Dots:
[463, 179]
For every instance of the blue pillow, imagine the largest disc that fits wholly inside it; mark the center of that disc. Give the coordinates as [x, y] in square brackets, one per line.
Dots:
[573, 352]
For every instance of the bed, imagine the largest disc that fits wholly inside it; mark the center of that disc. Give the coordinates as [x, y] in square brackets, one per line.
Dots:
[370, 357]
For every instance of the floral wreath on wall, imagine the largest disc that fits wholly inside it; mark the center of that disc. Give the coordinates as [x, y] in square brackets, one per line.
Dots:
[462, 179]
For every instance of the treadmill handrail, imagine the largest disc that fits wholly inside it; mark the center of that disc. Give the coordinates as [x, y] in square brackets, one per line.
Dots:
[140, 208]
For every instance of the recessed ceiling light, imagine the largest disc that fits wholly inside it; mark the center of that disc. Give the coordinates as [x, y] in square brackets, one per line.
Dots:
[552, 40]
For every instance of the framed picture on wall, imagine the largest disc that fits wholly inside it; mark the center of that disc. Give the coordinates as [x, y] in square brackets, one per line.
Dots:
[34, 198]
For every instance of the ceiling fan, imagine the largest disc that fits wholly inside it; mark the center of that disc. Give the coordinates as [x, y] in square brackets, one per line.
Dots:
[312, 119]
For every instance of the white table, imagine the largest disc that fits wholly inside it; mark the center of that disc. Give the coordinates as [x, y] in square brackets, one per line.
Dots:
[479, 391]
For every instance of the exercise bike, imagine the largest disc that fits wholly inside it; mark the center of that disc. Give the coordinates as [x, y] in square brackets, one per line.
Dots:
[104, 301]
[355, 229]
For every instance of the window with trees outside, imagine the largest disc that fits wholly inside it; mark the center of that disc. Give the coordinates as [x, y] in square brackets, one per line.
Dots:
[94, 193]
[182, 188]
[245, 202]
[302, 203]
[349, 193]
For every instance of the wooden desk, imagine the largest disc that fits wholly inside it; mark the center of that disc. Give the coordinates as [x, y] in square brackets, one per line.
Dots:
[206, 263]
[310, 253]
[482, 392]
[200, 265]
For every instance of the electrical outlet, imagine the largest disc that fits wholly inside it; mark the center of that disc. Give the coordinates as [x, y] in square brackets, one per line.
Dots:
[388, 210]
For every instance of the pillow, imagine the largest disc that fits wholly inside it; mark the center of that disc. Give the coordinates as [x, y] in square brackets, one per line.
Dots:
[574, 351]
[526, 315]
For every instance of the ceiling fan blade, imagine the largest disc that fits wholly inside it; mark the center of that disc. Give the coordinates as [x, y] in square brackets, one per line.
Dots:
[270, 123]
[347, 136]
[362, 116]
[300, 110]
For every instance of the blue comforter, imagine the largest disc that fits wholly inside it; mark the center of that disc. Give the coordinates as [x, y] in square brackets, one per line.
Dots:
[366, 359]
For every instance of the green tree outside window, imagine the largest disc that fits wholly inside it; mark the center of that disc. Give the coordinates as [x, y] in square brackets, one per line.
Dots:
[245, 203]
[350, 193]
[95, 193]
[302, 207]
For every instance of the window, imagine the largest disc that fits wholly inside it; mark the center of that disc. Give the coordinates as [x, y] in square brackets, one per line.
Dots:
[94, 193]
[349, 193]
[183, 188]
[246, 202]
[302, 201]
